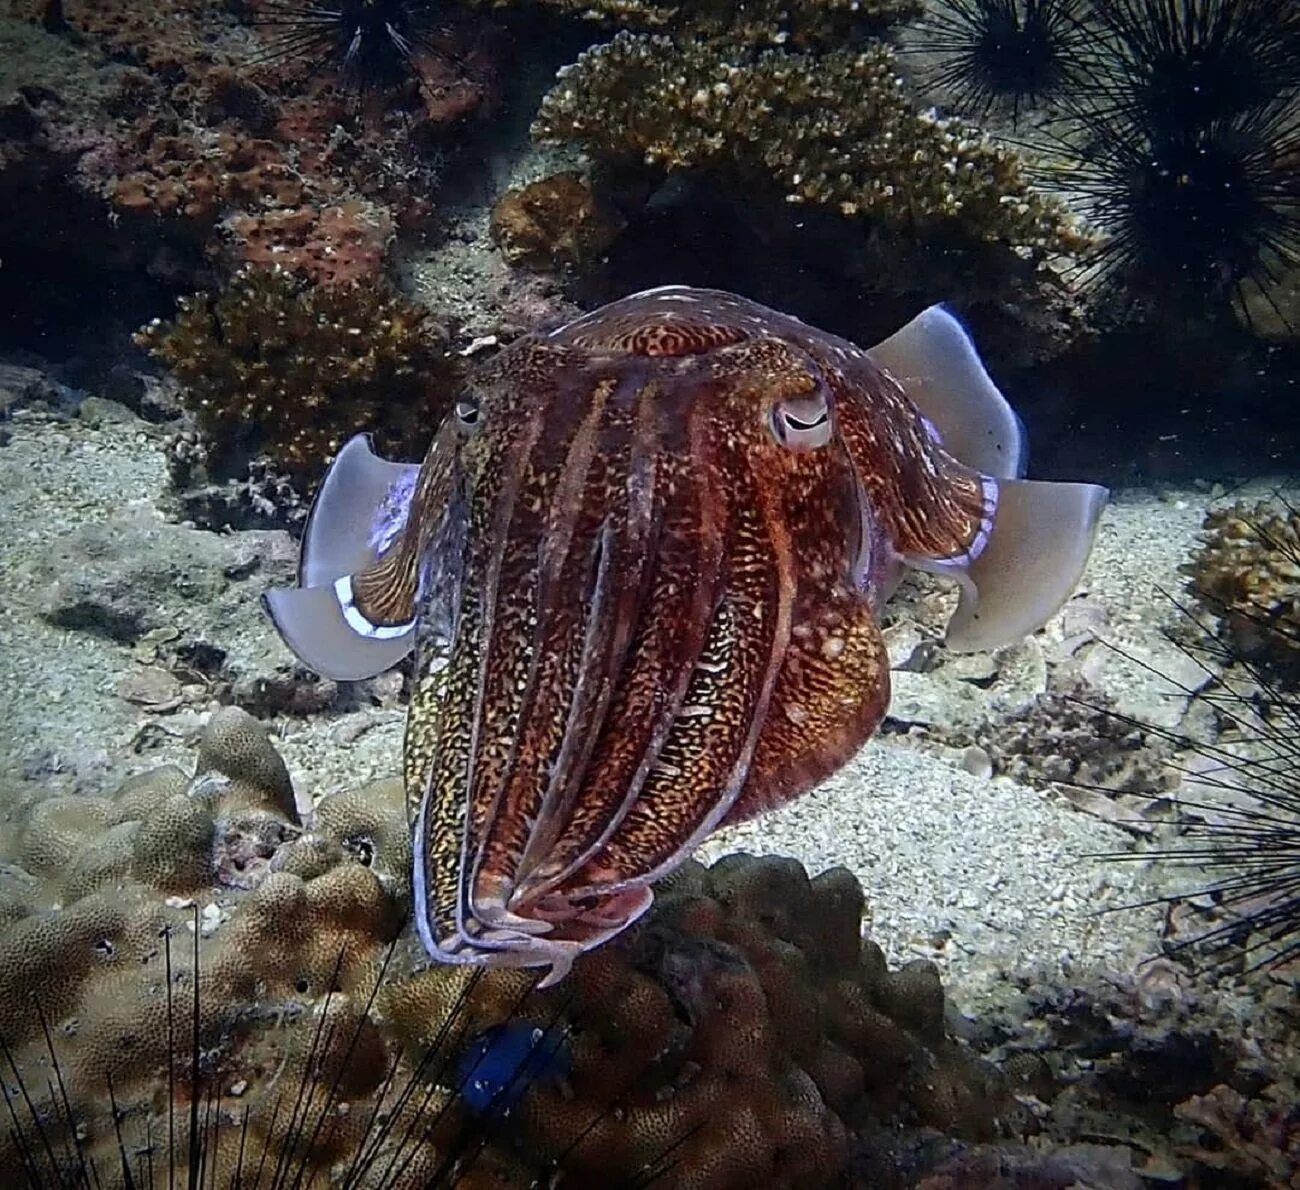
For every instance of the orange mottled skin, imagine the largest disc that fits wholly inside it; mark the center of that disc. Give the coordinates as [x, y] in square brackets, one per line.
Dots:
[643, 614]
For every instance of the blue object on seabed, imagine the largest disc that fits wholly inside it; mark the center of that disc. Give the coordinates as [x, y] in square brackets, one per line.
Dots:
[500, 1064]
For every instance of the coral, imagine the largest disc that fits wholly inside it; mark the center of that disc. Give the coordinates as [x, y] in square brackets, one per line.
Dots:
[289, 944]
[746, 1024]
[832, 129]
[190, 939]
[1248, 572]
[272, 367]
[336, 245]
[197, 140]
[265, 497]
[761, 23]
[553, 222]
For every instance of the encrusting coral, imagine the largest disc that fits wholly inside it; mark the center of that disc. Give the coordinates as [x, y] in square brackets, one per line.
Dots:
[740, 1034]
[1248, 573]
[834, 129]
[272, 367]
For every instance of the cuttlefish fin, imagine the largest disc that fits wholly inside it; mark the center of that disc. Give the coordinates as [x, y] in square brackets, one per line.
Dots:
[1033, 559]
[352, 615]
[940, 371]
[331, 635]
[361, 497]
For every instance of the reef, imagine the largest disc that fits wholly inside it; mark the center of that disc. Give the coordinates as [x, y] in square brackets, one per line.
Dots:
[1247, 572]
[208, 969]
[213, 939]
[833, 129]
[204, 147]
[764, 22]
[271, 367]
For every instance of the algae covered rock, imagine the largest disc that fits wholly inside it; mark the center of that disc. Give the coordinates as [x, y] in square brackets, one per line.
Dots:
[1248, 572]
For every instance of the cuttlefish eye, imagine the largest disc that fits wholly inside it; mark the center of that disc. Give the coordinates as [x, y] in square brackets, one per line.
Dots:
[802, 423]
[468, 415]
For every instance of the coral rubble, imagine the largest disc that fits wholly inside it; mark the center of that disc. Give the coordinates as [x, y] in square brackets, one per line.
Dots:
[1248, 572]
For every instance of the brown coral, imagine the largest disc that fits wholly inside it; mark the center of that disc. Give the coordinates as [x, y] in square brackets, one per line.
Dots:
[740, 1028]
[759, 22]
[552, 223]
[834, 129]
[99, 976]
[732, 1040]
[1248, 572]
[273, 367]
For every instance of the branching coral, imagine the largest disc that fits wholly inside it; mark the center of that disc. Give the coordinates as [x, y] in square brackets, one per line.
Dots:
[833, 129]
[273, 367]
[1248, 572]
[760, 23]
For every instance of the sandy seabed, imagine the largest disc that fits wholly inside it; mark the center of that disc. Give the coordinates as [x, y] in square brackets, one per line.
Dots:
[987, 877]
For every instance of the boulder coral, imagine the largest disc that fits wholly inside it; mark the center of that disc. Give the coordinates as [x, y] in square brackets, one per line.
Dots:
[747, 1028]
[190, 941]
[199, 972]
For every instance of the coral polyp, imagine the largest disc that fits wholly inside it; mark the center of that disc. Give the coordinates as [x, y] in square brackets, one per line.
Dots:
[1005, 55]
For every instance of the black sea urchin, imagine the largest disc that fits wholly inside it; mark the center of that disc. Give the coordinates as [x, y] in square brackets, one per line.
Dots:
[369, 44]
[1193, 216]
[1238, 811]
[1176, 64]
[1005, 55]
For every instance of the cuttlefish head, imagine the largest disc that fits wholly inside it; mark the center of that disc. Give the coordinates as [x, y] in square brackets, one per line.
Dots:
[640, 569]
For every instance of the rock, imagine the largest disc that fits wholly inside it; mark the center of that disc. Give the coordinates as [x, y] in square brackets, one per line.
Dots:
[133, 575]
[101, 411]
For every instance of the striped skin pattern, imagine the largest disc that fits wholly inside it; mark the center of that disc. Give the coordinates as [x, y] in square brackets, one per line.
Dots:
[644, 580]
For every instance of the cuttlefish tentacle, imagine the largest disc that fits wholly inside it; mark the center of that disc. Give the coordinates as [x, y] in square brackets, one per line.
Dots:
[699, 770]
[592, 583]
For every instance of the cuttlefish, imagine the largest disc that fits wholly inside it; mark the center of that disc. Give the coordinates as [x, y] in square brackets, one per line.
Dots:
[642, 569]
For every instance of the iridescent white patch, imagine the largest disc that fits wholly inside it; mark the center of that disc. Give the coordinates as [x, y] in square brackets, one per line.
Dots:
[392, 514]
